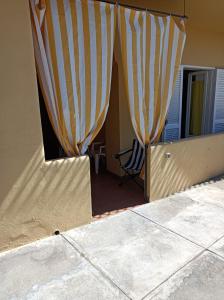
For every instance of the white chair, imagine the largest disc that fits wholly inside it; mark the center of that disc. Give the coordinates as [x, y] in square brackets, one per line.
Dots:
[98, 151]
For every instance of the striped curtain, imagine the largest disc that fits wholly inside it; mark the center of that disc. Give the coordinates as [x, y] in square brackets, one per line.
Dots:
[73, 44]
[151, 50]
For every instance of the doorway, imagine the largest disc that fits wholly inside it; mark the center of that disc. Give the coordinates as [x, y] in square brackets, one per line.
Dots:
[108, 196]
[52, 147]
[197, 102]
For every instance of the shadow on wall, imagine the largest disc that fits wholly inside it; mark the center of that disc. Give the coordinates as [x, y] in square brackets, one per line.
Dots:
[191, 161]
[44, 196]
[35, 197]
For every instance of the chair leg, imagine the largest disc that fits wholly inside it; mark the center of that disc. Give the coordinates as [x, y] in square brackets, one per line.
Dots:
[138, 184]
[128, 177]
[97, 162]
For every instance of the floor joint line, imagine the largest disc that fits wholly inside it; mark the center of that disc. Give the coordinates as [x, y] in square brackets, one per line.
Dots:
[170, 230]
[174, 273]
[95, 266]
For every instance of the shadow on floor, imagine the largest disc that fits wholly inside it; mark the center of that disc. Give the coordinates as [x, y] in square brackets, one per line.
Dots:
[109, 198]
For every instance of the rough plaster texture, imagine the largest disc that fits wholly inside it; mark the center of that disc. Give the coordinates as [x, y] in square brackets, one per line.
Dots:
[191, 161]
[36, 197]
[127, 256]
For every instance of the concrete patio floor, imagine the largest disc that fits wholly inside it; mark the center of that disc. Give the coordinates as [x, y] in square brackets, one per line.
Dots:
[170, 249]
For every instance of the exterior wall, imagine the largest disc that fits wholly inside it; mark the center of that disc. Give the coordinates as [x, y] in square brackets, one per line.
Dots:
[205, 28]
[36, 197]
[204, 44]
[191, 161]
[203, 48]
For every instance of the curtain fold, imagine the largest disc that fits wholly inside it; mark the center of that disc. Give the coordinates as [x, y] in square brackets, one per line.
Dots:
[151, 50]
[73, 45]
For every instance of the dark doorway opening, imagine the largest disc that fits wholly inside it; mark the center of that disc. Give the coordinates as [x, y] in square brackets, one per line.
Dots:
[52, 147]
[184, 103]
[108, 196]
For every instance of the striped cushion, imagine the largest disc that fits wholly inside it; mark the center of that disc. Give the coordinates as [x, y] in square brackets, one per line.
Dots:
[136, 160]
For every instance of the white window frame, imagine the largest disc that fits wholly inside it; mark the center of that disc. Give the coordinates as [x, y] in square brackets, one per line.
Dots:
[185, 67]
[215, 122]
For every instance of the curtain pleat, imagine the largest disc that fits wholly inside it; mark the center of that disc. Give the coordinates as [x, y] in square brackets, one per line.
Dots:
[73, 44]
[151, 50]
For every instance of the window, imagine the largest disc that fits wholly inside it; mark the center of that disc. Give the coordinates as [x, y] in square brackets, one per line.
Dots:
[197, 104]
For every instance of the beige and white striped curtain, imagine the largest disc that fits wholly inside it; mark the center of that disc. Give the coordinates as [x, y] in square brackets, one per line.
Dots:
[73, 43]
[151, 49]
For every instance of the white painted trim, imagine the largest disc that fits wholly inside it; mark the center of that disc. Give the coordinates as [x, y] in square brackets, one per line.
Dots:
[181, 100]
[176, 125]
[187, 67]
[214, 111]
[188, 106]
[217, 121]
[183, 68]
